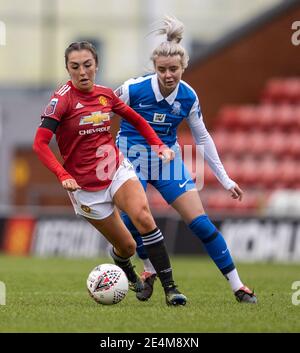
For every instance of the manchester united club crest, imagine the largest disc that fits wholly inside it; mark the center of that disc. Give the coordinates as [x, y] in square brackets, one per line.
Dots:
[103, 100]
[85, 208]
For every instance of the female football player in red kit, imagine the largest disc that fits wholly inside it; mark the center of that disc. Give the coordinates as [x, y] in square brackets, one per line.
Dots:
[96, 176]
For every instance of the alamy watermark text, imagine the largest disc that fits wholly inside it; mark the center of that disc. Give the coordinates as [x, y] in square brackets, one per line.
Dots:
[2, 293]
[2, 33]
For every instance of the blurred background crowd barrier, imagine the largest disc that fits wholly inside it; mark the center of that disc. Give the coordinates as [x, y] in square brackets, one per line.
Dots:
[245, 69]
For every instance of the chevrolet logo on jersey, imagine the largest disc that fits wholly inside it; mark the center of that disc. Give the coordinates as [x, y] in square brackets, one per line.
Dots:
[96, 118]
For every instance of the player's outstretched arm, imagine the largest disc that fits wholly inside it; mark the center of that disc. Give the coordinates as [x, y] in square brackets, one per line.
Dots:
[142, 126]
[41, 148]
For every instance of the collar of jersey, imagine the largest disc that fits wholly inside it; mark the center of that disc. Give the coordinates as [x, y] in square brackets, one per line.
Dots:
[159, 97]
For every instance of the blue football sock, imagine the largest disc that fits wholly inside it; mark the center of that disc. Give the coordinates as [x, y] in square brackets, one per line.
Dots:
[213, 242]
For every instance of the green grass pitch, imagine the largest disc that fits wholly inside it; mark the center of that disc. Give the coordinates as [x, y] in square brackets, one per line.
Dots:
[49, 295]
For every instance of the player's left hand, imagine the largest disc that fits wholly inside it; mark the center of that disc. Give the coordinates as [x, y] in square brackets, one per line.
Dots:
[167, 155]
[236, 192]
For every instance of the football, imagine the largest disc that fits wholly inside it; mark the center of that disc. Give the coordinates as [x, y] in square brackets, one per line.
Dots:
[107, 284]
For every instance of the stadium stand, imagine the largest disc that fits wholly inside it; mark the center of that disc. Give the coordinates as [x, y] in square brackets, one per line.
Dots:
[259, 146]
[280, 91]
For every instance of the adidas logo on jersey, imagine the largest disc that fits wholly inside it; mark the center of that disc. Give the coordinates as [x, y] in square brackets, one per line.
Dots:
[79, 105]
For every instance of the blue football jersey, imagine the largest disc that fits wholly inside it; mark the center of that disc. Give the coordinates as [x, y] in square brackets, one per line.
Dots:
[164, 114]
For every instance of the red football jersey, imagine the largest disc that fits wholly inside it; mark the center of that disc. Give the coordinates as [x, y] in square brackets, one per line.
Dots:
[84, 140]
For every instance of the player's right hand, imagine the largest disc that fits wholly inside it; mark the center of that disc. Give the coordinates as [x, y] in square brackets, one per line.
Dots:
[167, 155]
[70, 185]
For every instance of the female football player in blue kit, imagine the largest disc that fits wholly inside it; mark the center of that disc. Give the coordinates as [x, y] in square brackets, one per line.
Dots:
[164, 100]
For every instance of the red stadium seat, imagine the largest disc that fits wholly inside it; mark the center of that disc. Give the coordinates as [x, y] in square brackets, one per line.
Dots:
[293, 144]
[221, 139]
[228, 117]
[250, 169]
[264, 117]
[233, 168]
[277, 143]
[285, 117]
[257, 142]
[280, 91]
[246, 116]
[296, 183]
[219, 201]
[259, 147]
[268, 172]
[238, 143]
[296, 117]
[234, 143]
[288, 172]
[273, 91]
[291, 90]
[250, 201]
[209, 177]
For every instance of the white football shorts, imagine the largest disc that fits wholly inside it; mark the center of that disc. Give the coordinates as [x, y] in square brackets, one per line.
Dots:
[99, 204]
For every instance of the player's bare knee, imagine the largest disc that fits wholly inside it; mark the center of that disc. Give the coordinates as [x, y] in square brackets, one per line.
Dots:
[128, 249]
[145, 220]
[131, 248]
